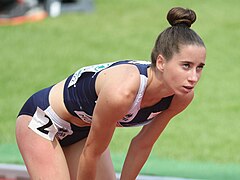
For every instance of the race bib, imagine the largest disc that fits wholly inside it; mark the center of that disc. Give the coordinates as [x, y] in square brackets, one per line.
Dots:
[84, 116]
[43, 125]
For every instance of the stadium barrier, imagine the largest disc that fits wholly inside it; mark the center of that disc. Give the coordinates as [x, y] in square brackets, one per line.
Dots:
[13, 172]
[19, 172]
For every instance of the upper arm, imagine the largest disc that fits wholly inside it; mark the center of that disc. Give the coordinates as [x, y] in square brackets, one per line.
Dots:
[115, 97]
[150, 133]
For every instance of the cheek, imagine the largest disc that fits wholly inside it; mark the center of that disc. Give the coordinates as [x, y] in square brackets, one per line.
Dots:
[174, 76]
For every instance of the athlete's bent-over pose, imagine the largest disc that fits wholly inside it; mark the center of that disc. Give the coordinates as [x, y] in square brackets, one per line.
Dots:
[63, 131]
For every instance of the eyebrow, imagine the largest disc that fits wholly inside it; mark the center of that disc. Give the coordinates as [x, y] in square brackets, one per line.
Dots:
[189, 62]
[202, 64]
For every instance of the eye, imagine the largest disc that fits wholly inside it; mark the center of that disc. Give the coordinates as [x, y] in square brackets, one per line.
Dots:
[186, 66]
[200, 67]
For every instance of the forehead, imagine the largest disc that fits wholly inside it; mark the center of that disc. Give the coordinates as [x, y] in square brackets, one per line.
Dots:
[191, 53]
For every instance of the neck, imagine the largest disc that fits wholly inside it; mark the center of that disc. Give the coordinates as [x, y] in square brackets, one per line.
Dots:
[155, 90]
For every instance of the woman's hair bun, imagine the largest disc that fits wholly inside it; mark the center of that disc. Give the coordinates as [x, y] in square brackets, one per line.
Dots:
[179, 16]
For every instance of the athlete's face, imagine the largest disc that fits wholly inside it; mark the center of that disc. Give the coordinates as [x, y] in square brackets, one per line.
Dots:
[183, 71]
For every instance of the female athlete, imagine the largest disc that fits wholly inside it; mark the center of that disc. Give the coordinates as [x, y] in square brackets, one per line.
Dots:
[63, 131]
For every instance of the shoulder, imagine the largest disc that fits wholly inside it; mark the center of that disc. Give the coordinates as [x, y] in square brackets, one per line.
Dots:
[119, 84]
[121, 77]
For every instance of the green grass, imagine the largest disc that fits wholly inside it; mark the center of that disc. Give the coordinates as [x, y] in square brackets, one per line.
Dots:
[36, 55]
[154, 166]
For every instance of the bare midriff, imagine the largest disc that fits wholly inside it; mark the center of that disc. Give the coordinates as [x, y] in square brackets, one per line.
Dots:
[57, 104]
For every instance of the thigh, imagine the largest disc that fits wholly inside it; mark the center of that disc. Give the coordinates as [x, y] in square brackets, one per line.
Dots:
[44, 159]
[105, 169]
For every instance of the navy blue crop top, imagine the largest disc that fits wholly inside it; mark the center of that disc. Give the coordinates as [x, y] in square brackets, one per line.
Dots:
[80, 96]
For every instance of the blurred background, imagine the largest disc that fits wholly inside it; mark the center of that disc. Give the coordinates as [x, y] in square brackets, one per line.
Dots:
[202, 142]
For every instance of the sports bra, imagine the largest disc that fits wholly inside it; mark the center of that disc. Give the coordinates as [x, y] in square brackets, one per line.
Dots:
[80, 96]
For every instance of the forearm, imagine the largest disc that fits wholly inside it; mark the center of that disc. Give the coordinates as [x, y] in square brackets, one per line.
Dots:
[96, 144]
[135, 159]
[87, 167]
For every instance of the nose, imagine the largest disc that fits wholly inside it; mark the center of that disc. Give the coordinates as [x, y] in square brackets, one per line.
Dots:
[193, 77]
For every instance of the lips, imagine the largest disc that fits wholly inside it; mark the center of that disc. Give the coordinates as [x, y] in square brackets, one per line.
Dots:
[188, 88]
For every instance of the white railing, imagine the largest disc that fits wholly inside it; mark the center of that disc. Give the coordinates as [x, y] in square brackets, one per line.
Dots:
[15, 172]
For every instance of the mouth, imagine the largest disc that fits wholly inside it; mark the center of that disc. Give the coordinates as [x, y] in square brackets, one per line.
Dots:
[188, 88]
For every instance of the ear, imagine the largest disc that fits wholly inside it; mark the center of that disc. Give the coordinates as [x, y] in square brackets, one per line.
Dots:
[160, 63]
